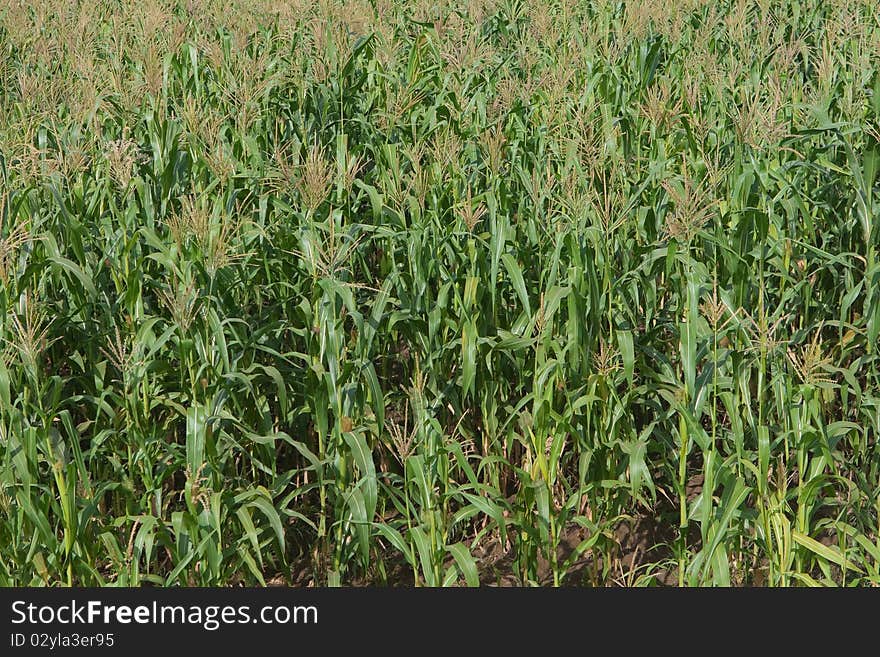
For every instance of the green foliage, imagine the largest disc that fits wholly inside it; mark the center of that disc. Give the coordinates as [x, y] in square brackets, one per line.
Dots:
[438, 295]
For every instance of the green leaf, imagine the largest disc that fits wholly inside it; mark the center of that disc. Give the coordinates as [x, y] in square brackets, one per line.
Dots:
[465, 563]
[627, 353]
[426, 555]
[824, 551]
[260, 499]
[516, 277]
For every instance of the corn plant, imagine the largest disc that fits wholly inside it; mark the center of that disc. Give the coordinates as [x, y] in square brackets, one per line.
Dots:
[435, 294]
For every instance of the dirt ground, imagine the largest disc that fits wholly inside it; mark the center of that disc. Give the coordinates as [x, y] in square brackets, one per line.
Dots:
[638, 550]
[634, 546]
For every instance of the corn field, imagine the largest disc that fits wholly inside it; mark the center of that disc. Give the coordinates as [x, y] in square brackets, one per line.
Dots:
[438, 294]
